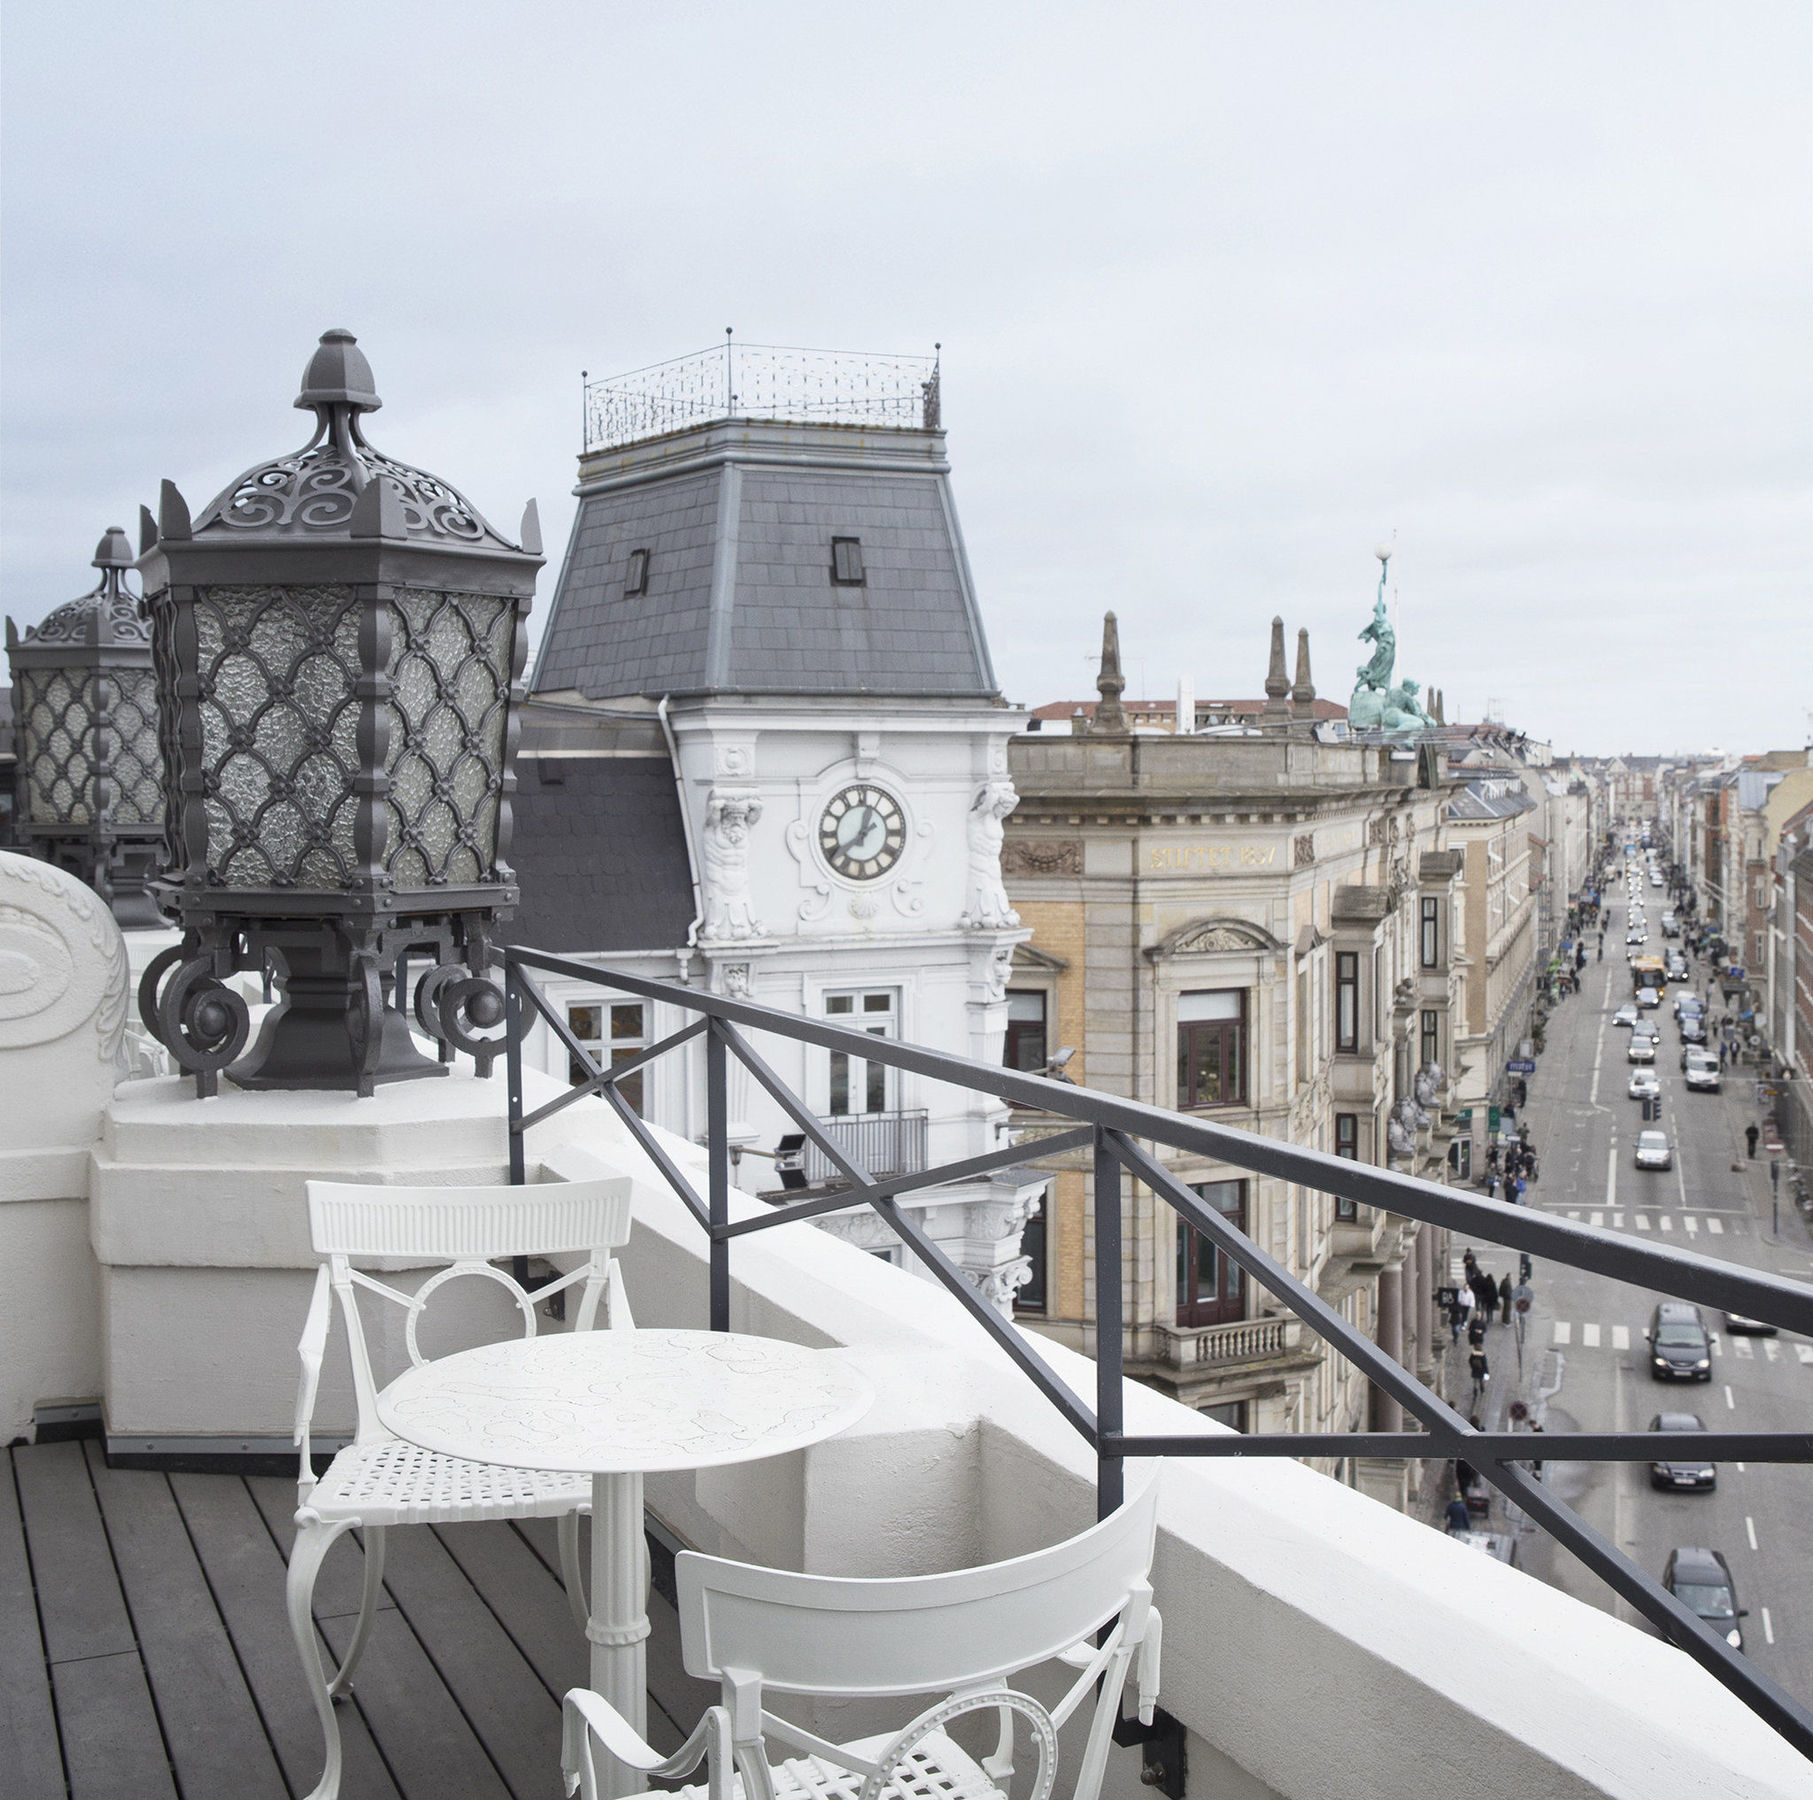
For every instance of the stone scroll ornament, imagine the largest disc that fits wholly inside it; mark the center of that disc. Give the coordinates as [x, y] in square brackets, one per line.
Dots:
[724, 871]
[986, 906]
[1376, 704]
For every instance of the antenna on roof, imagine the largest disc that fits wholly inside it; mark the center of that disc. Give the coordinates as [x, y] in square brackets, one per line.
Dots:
[730, 386]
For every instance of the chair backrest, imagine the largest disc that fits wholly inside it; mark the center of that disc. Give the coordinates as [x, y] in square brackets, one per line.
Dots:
[916, 1634]
[465, 1230]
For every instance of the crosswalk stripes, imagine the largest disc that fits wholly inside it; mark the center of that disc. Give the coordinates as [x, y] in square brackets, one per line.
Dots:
[1589, 1334]
[1693, 1223]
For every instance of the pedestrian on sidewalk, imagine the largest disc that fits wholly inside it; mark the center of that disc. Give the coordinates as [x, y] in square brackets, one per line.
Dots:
[1481, 1371]
[1459, 1519]
[1751, 1134]
[1721, 1055]
[1504, 1299]
[1458, 1307]
[1476, 1330]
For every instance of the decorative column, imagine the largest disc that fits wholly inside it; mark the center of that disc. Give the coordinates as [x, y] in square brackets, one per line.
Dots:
[339, 652]
[1388, 1413]
[90, 790]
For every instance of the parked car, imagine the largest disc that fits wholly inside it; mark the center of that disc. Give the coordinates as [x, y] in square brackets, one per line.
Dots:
[1626, 1015]
[1702, 1070]
[1701, 1581]
[1644, 1084]
[1679, 1347]
[1685, 1471]
[1653, 1151]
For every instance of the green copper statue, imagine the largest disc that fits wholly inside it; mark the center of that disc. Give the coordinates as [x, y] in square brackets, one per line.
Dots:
[1376, 704]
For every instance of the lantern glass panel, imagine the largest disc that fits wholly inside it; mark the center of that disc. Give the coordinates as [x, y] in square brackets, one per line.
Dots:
[59, 745]
[278, 671]
[138, 796]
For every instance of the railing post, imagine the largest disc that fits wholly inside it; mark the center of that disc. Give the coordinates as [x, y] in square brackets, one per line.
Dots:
[513, 1028]
[1109, 1470]
[717, 1151]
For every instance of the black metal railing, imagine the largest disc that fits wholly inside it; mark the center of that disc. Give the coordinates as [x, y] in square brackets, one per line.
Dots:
[887, 1143]
[1114, 1131]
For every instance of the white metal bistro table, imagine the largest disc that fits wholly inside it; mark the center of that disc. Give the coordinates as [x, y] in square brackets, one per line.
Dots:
[618, 1405]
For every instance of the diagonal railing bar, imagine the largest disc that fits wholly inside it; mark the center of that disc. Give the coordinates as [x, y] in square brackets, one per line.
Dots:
[845, 1200]
[998, 1328]
[602, 1077]
[573, 1046]
[1501, 1446]
[1684, 1629]
[1775, 1298]
[1114, 1125]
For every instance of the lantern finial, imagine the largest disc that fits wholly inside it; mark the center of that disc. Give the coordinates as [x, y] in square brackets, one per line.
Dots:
[338, 375]
[114, 551]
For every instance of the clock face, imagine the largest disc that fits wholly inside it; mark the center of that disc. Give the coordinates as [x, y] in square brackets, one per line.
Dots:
[862, 832]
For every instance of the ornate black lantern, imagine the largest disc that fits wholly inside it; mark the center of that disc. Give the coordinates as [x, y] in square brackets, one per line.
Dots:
[90, 796]
[339, 651]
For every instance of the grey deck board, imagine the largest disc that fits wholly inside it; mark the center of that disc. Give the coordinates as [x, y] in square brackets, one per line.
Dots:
[245, 1573]
[211, 1727]
[79, 1599]
[110, 1734]
[342, 1577]
[498, 1690]
[29, 1753]
[524, 1595]
[426, 1740]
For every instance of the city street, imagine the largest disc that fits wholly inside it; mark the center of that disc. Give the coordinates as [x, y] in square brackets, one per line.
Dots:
[1586, 1362]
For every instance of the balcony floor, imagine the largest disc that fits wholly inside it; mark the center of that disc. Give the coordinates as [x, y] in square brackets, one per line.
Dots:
[144, 1650]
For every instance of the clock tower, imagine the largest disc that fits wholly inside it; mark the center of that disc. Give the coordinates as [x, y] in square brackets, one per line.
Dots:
[766, 589]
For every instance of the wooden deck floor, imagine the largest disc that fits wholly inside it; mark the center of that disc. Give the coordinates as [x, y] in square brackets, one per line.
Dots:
[144, 1650]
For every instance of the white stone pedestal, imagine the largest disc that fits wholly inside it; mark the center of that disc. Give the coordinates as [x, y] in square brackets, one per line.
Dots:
[199, 1222]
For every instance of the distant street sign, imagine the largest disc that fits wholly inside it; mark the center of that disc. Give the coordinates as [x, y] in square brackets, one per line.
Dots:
[1521, 1298]
[1521, 1065]
[1518, 1411]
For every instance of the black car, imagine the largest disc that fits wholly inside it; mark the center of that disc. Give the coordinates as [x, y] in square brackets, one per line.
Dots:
[1693, 1028]
[1692, 1473]
[1701, 1581]
[1679, 1347]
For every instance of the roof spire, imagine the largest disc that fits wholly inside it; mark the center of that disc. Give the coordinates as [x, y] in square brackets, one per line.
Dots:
[1277, 683]
[1303, 689]
[1110, 683]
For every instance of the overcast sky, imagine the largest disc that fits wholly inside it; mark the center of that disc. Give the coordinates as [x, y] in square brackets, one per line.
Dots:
[1228, 294]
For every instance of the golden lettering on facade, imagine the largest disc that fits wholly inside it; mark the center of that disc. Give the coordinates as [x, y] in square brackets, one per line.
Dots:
[1185, 858]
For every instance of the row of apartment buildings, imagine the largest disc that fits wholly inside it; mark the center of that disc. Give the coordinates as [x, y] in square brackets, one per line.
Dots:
[1741, 831]
[1335, 938]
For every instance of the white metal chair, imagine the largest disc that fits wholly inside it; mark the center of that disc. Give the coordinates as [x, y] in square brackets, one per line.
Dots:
[962, 1635]
[377, 1480]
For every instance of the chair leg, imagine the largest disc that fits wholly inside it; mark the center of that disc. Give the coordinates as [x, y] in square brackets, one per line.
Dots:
[373, 1537]
[569, 1568]
[314, 1538]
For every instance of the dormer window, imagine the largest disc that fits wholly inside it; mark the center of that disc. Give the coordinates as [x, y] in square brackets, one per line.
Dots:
[636, 581]
[846, 562]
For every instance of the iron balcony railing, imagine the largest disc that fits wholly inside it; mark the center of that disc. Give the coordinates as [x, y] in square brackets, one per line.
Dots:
[767, 382]
[1122, 1137]
[890, 1143]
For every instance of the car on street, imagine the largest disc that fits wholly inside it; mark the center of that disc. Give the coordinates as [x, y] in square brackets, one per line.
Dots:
[1655, 880]
[1642, 1049]
[1644, 1084]
[1671, 926]
[1693, 1473]
[1677, 968]
[1701, 1580]
[1626, 1015]
[1701, 1068]
[1679, 1347]
[1745, 1326]
[1649, 997]
[1693, 1028]
[1653, 1151]
[1636, 935]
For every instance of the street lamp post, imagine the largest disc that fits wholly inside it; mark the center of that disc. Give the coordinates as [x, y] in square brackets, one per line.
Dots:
[90, 795]
[339, 652]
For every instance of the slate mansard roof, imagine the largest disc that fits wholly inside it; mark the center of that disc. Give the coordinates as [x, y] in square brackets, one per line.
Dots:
[737, 518]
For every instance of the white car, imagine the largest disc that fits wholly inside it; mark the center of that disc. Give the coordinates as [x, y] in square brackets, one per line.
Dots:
[1644, 1084]
[1625, 1016]
[1642, 1050]
[1652, 1150]
[1702, 1069]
